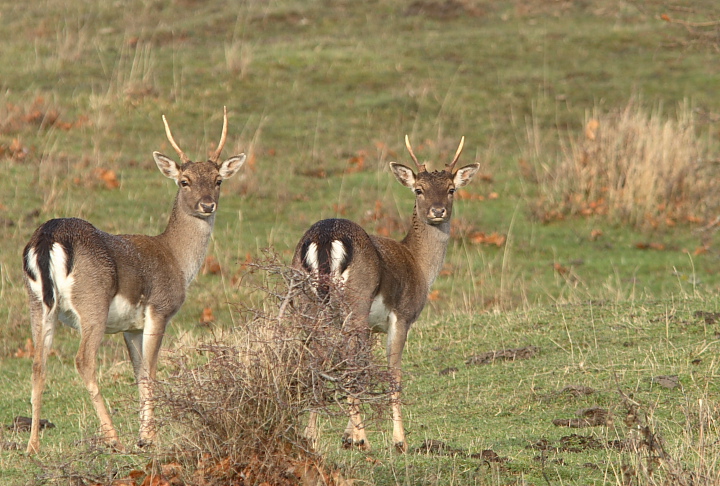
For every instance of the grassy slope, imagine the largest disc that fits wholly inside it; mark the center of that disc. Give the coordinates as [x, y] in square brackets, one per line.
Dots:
[311, 85]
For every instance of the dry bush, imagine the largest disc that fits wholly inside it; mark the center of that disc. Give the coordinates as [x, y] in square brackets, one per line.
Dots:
[633, 167]
[649, 461]
[236, 411]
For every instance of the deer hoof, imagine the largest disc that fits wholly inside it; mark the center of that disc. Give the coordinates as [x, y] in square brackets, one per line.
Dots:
[144, 443]
[349, 443]
[400, 447]
[115, 446]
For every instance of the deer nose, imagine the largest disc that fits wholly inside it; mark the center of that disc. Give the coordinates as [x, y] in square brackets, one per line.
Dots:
[208, 207]
[438, 212]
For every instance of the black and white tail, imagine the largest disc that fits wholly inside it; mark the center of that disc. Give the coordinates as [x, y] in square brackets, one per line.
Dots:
[48, 262]
[327, 252]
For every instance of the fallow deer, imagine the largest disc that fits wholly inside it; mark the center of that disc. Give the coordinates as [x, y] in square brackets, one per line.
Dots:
[100, 283]
[386, 282]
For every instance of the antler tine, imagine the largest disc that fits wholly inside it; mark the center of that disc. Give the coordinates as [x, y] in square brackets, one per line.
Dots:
[185, 159]
[451, 165]
[223, 137]
[421, 167]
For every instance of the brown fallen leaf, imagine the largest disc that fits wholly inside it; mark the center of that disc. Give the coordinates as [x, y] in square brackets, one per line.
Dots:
[649, 246]
[591, 129]
[480, 238]
[27, 351]
[207, 316]
[108, 177]
[211, 266]
[561, 270]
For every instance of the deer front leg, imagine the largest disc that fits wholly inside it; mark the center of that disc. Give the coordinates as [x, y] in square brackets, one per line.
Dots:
[397, 335]
[134, 343]
[151, 341]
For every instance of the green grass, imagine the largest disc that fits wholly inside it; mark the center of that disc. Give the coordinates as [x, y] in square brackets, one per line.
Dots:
[310, 85]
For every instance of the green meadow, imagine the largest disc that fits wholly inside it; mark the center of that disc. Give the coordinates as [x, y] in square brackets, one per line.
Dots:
[573, 335]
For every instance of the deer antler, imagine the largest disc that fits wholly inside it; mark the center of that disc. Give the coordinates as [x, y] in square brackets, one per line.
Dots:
[216, 155]
[421, 167]
[184, 158]
[451, 166]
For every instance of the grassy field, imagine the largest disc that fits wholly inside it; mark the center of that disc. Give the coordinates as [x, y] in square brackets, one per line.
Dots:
[320, 96]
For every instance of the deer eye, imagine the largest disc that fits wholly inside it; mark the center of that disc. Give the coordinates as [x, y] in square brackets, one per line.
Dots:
[184, 183]
[218, 182]
[418, 191]
[451, 191]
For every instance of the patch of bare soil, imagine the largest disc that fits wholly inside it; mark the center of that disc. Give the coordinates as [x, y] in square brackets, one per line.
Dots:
[666, 381]
[526, 352]
[448, 371]
[587, 417]
[449, 9]
[710, 318]
[570, 443]
[577, 390]
[440, 448]
[23, 424]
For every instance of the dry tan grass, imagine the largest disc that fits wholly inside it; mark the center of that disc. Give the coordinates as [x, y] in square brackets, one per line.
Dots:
[637, 167]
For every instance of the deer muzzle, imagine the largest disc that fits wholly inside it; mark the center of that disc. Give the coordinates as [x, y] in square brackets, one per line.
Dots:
[207, 206]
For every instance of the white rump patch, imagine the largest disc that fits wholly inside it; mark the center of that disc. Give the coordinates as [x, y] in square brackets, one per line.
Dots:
[35, 285]
[311, 257]
[63, 283]
[337, 258]
[61, 280]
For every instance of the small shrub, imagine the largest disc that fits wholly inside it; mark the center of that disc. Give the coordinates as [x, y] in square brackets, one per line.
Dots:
[239, 412]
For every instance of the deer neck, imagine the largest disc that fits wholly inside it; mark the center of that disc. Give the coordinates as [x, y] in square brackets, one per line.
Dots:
[428, 244]
[187, 237]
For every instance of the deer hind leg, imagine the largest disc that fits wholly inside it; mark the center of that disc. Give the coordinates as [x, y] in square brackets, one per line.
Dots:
[43, 322]
[92, 318]
[354, 435]
[311, 430]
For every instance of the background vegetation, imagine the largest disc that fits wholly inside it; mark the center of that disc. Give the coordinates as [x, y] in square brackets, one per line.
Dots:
[608, 287]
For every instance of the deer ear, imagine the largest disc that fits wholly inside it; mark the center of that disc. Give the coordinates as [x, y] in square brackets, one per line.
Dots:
[465, 174]
[167, 166]
[231, 166]
[403, 174]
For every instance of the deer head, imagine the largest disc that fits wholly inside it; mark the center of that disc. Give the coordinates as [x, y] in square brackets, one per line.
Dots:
[198, 182]
[434, 191]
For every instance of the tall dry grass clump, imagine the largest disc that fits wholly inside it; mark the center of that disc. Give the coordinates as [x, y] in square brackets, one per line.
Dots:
[236, 410]
[633, 167]
[646, 458]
